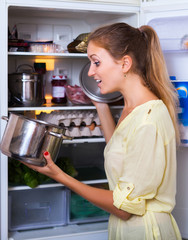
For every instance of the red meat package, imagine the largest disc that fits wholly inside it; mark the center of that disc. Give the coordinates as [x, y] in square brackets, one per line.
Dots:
[76, 95]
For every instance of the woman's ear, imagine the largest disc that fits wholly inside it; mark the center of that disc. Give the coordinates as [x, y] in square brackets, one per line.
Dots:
[126, 63]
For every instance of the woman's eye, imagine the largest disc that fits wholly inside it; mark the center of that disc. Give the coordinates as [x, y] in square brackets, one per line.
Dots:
[96, 63]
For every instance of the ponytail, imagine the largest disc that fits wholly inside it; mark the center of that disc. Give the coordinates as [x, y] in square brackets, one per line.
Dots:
[157, 75]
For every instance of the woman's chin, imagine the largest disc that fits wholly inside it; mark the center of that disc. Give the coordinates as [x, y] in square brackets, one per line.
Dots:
[105, 92]
[102, 91]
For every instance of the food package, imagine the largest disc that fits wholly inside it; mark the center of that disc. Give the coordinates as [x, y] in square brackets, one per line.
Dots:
[76, 95]
[79, 45]
[184, 42]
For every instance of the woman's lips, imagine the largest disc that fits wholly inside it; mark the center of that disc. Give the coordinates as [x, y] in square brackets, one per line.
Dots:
[98, 82]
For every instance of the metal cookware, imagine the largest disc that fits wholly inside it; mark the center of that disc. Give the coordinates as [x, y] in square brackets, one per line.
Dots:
[26, 139]
[26, 86]
[90, 88]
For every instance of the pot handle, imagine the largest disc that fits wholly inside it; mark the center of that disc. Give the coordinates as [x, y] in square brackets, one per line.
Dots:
[5, 118]
[60, 135]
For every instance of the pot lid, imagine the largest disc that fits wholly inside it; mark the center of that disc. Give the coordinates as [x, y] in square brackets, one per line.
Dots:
[24, 76]
[90, 88]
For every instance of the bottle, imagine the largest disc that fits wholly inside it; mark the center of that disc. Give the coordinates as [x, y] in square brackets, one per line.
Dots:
[58, 89]
[40, 68]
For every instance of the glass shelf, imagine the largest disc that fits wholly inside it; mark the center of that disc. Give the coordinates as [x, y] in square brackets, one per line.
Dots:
[52, 107]
[49, 55]
[84, 140]
[52, 185]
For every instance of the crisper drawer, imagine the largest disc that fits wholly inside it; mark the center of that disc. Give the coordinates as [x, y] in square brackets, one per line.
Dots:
[82, 211]
[37, 208]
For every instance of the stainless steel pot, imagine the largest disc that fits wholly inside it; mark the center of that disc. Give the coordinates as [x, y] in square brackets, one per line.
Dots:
[26, 139]
[26, 86]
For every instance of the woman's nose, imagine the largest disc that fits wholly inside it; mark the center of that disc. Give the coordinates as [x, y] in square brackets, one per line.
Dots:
[90, 71]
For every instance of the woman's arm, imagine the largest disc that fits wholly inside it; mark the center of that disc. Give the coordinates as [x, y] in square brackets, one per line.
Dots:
[106, 119]
[99, 197]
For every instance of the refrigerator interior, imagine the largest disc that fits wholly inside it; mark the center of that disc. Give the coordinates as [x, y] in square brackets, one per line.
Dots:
[62, 27]
[173, 32]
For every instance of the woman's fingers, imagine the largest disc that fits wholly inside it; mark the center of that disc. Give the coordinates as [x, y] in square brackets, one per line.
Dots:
[50, 169]
[48, 158]
[38, 168]
[46, 154]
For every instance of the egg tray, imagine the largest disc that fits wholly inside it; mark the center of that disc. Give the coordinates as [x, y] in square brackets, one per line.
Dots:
[77, 123]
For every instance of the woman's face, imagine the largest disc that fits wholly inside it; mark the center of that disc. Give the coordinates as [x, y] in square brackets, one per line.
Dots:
[104, 69]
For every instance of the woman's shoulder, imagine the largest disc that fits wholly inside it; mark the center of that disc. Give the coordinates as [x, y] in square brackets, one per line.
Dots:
[152, 110]
[158, 115]
[156, 110]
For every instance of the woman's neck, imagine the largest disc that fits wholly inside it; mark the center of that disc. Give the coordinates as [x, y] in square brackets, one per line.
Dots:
[135, 93]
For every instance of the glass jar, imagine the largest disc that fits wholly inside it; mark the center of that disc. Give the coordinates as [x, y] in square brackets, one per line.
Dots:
[58, 89]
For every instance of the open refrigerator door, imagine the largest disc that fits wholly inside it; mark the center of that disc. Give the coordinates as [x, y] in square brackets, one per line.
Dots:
[170, 23]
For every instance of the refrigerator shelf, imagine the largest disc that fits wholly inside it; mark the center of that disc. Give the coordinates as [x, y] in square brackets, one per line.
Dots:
[60, 107]
[49, 55]
[53, 185]
[173, 44]
[85, 140]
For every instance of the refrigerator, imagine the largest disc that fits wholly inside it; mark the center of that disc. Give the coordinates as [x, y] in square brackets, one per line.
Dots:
[50, 210]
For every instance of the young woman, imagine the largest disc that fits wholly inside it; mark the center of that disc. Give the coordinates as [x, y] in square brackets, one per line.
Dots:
[140, 155]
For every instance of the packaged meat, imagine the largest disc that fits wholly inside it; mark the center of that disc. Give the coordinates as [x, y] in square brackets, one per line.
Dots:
[76, 96]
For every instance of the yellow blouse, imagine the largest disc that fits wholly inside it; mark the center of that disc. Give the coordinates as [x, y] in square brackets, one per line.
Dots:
[140, 164]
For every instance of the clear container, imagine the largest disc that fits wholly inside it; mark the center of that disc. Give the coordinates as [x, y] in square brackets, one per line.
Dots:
[37, 208]
[58, 89]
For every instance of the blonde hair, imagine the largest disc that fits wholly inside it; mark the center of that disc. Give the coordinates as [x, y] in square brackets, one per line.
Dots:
[143, 45]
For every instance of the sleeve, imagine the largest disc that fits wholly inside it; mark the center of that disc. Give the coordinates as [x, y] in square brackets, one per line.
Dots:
[143, 170]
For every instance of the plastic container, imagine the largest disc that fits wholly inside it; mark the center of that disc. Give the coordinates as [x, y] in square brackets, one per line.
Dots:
[37, 208]
[182, 90]
[58, 89]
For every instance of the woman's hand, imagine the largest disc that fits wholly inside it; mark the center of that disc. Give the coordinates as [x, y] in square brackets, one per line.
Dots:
[50, 169]
[106, 119]
[99, 105]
